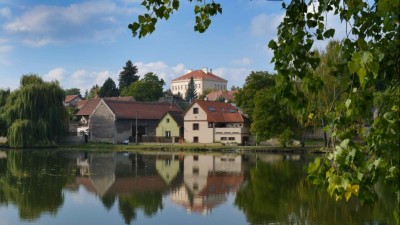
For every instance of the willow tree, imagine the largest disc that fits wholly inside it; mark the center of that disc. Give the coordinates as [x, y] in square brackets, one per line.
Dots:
[34, 114]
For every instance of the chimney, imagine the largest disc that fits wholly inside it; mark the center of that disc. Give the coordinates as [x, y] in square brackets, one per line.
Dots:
[205, 99]
[210, 70]
[205, 69]
[189, 71]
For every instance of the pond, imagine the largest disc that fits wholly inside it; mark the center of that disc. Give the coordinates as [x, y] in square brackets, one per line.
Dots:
[57, 188]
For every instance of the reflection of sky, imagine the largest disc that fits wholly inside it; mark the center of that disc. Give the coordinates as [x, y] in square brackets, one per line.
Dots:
[83, 207]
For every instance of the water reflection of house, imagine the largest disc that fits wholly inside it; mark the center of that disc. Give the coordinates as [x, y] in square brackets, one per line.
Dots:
[207, 181]
[111, 173]
[3, 155]
[274, 158]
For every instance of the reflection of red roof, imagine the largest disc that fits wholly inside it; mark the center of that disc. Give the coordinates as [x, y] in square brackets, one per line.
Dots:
[221, 184]
[220, 112]
[200, 74]
[69, 98]
[228, 95]
[144, 110]
[89, 107]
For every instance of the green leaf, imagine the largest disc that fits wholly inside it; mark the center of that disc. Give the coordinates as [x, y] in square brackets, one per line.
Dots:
[329, 33]
[347, 103]
[362, 72]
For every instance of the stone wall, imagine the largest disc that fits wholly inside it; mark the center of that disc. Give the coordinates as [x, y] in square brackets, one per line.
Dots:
[102, 125]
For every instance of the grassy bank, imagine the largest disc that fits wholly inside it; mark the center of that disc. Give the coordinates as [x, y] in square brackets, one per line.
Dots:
[190, 148]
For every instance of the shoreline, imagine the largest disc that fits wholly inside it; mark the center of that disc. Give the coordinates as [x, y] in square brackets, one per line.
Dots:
[179, 148]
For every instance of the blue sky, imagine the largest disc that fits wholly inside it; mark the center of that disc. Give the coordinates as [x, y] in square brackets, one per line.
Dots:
[82, 43]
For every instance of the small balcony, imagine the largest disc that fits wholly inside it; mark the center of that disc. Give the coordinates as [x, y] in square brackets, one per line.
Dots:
[232, 130]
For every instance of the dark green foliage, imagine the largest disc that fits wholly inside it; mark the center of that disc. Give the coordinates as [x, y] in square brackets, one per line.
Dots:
[271, 116]
[255, 82]
[3, 100]
[34, 114]
[191, 93]
[128, 75]
[150, 88]
[109, 89]
[72, 91]
[365, 146]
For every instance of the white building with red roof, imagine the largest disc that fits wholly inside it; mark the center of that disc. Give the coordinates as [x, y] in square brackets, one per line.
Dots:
[204, 79]
[213, 121]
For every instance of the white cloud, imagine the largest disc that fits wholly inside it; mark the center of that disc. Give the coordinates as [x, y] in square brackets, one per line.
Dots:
[5, 12]
[55, 74]
[235, 76]
[243, 61]
[81, 79]
[5, 49]
[80, 22]
[162, 70]
[265, 25]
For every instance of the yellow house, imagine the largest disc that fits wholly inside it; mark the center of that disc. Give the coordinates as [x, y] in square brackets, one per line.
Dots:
[170, 127]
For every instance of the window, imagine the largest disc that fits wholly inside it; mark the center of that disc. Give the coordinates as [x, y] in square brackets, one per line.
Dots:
[167, 120]
[195, 158]
[195, 139]
[223, 138]
[223, 110]
[195, 187]
[195, 110]
[195, 171]
[231, 138]
[231, 110]
[210, 125]
[195, 126]
[167, 133]
[212, 109]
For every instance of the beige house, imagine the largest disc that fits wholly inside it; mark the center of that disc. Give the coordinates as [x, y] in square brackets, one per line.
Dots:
[203, 80]
[210, 122]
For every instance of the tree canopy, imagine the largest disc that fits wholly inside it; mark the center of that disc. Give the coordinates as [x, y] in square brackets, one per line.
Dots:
[150, 88]
[34, 114]
[109, 89]
[256, 81]
[128, 75]
[73, 91]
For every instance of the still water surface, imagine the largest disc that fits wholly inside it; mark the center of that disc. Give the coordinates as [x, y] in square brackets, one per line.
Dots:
[57, 188]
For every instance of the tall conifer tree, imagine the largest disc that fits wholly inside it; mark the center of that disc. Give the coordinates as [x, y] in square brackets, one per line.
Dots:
[191, 93]
[128, 75]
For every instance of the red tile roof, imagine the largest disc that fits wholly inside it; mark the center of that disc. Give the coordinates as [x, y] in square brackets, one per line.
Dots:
[200, 74]
[220, 112]
[228, 95]
[144, 110]
[69, 98]
[81, 103]
[89, 107]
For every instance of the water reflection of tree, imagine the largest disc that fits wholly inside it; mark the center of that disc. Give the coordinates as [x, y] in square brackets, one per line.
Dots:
[279, 193]
[149, 202]
[33, 182]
